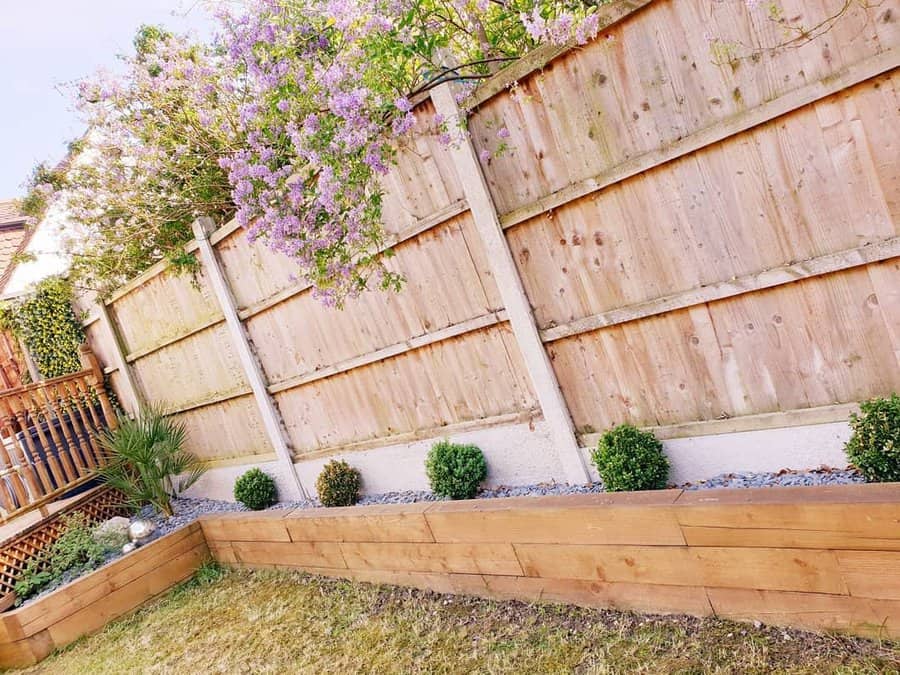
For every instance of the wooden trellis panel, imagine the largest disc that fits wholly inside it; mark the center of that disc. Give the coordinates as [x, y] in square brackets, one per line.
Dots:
[96, 506]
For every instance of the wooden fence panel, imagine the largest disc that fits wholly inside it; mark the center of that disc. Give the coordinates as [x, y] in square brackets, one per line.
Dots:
[754, 353]
[421, 187]
[254, 271]
[816, 182]
[164, 307]
[652, 80]
[476, 377]
[181, 357]
[424, 180]
[193, 370]
[444, 286]
[697, 239]
[227, 430]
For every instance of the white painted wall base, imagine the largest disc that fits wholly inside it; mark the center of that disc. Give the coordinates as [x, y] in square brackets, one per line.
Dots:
[803, 447]
[218, 483]
[806, 447]
[520, 454]
[517, 454]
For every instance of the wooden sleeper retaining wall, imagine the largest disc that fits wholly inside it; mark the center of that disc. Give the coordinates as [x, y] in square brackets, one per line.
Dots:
[823, 558]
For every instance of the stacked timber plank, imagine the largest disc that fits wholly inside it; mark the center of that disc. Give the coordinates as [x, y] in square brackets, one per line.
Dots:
[822, 558]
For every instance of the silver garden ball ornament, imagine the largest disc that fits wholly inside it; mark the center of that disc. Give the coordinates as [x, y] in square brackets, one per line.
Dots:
[140, 531]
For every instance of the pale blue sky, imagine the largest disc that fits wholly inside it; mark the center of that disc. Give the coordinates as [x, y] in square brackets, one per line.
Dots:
[44, 43]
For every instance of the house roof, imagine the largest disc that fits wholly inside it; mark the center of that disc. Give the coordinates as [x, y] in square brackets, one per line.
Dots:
[14, 237]
[10, 213]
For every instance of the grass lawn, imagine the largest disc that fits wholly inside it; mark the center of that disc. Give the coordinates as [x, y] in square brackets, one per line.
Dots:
[284, 622]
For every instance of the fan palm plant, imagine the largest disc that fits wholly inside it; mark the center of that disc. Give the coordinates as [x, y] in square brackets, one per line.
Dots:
[147, 462]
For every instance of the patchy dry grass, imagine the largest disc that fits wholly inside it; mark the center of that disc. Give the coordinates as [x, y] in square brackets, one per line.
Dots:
[281, 622]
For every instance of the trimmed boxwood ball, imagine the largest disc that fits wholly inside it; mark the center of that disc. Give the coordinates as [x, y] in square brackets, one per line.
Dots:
[874, 447]
[630, 459]
[455, 470]
[338, 484]
[256, 490]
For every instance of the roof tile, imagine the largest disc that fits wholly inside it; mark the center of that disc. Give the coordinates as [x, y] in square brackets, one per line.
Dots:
[10, 213]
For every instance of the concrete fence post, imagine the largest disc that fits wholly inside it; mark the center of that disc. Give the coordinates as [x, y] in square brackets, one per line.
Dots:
[509, 283]
[127, 385]
[271, 418]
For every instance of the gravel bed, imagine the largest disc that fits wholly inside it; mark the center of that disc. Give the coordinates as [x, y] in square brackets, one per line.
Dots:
[823, 476]
[187, 510]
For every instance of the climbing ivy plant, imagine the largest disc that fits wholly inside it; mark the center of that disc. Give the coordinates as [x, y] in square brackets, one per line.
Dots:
[47, 323]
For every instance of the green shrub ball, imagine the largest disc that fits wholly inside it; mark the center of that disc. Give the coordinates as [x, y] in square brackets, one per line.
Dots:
[338, 484]
[455, 470]
[874, 447]
[630, 459]
[256, 490]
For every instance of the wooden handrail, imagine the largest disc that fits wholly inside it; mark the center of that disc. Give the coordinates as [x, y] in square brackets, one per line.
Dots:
[42, 384]
[48, 436]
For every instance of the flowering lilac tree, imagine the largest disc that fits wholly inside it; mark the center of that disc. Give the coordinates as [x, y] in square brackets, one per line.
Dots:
[286, 121]
[150, 162]
[334, 82]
